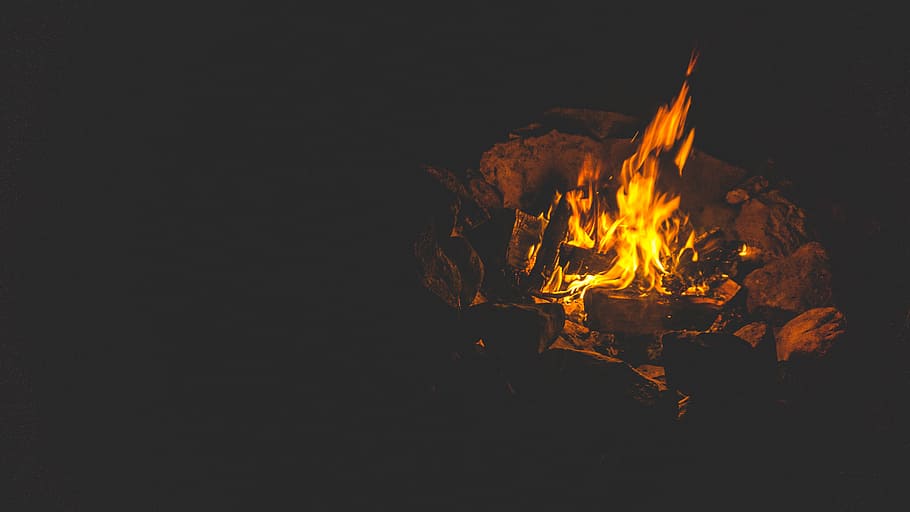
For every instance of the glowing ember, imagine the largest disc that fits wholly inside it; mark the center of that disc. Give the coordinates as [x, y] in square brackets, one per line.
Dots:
[644, 226]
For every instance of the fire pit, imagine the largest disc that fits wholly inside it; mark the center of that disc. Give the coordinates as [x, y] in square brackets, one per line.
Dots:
[592, 248]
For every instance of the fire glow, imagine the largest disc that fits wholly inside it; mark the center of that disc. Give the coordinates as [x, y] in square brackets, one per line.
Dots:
[643, 229]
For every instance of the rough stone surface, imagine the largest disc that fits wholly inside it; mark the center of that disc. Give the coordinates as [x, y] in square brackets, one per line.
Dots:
[528, 170]
[704, 180]
[747, 189]
[772, 225]
[736, 196]
[484, 193]
[716, 215]
[791, 285]
[811, 334]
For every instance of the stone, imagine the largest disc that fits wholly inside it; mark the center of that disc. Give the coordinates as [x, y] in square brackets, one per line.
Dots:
[772, 226]
[754, 333]
[811, 334]
[705, 180]
[716, 216]
[529, 170]
[736, 196]
[786, 287]
[483, 192]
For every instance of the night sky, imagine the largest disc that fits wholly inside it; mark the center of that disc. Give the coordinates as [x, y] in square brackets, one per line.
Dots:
[206, 224]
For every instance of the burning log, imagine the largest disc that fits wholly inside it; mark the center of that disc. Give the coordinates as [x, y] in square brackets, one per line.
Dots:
[616, 312]
[745, 190]
[578, 260]
[619, 312]
[526, 237]
[548, 254]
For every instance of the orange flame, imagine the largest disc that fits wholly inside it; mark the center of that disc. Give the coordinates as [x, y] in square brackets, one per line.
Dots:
[644, 227]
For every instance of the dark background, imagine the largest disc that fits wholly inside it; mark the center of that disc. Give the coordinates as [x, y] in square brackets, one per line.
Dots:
[206, 226]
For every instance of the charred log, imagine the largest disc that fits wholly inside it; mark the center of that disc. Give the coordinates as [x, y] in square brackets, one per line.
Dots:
[619, 312]
[524, 241]
[578, 260]
[553, 237]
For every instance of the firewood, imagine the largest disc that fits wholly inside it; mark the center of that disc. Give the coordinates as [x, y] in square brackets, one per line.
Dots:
[553, 236]
[527, 235]
[633, 315]
[578, 260]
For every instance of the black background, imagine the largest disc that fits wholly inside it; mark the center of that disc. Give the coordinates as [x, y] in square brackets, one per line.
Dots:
[206, 224]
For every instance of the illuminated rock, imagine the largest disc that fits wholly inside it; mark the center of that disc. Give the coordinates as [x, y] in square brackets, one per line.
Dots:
[811, 334]
[791, 285]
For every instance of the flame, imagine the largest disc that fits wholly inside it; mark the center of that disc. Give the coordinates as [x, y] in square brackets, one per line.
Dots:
[644, 225]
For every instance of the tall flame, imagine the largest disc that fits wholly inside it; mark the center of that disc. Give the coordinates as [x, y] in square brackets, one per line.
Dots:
[644, 225]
